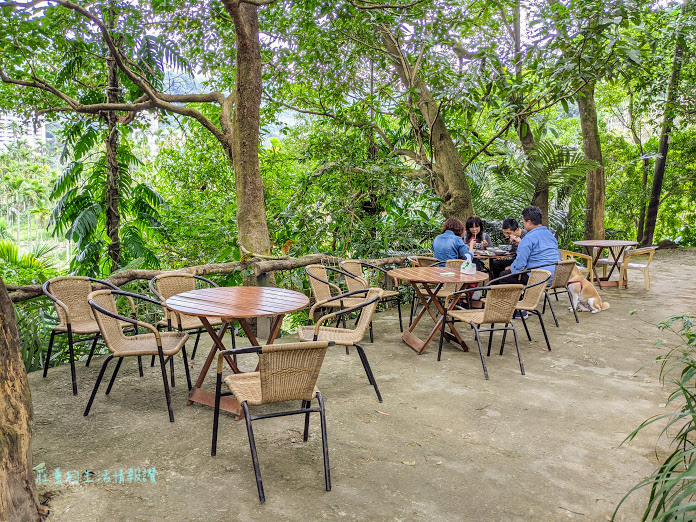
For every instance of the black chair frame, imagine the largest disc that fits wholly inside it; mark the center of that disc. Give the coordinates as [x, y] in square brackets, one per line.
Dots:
[71, 340]
[477, 330]
[163, 361]
[397, 298]
[305, 409]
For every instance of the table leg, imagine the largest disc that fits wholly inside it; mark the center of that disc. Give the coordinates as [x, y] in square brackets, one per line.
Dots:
[616, 260]
[438, 323]
[275, 328]
[203, 396]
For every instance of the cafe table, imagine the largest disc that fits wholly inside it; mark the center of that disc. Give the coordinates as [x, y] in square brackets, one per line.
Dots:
[427, 282]
[234, 303]
[595, 247]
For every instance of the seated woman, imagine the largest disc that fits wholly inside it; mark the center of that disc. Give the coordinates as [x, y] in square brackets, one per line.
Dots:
[475, 233]
[449, 244]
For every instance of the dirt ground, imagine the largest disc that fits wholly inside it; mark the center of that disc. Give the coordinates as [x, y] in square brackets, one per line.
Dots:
[445, 444]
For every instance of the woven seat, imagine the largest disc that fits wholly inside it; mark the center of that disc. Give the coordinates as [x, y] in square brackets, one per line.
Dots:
[559, 284]
[69, 296]
[162, 344]
[501, 301]
[344, 336]
[287, 372]
[356, 267]
[169, 284]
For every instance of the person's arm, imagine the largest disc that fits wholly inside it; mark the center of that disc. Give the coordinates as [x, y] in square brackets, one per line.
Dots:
[487, 241]
[523, 251]
[464, 252]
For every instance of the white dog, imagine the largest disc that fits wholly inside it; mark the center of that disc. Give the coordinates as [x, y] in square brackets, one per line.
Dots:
[584, 294]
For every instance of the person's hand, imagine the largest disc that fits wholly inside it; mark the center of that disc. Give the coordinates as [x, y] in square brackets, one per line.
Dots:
[472, 243]
[484, 243]
[515, 240]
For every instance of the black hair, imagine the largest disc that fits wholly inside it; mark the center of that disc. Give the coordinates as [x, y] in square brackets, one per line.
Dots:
[474, 221]
[510, 224]
[532, 214]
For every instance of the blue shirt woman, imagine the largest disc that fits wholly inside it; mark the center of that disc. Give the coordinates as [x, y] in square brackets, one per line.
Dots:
[449, 244]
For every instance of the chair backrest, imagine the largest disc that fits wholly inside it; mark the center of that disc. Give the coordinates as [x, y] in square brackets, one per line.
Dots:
[110, 327]
[645, 251]
[501, 301]
[73, 292]
[167, 285]
[562, 273]
[290, 371]
[318, 280]
[367, 312]
[353, 266]
[456, 266]
[425, 260]
[534, 290]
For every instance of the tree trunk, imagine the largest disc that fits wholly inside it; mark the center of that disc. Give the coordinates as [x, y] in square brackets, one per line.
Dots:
[244, 150]
[594, 201]
[18, 497]
[646, 167]
[663, 148]
[454, 190]
[113, 216]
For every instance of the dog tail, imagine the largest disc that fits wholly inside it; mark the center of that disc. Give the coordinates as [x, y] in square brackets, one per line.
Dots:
[605, 305]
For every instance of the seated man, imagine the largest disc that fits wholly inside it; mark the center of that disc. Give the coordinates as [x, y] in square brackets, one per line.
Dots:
[538, 248]
[449, 244]
[514, 234]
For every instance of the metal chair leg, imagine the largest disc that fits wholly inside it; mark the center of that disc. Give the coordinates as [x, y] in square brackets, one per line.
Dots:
[72, 360]
[305, 405]
[483, 359]
[113, 376]
[442, 337]
[324, 442]
[575, 313]
[152, 362]
[166, 387]
[195, 345]
[524, 323]
[517, 346]
[368, 370]
[96, 384]
[48, 353]
[171, 369]
[543, 329]
[398, 307]
[254, 456]
[91, 351]
[216, 414]
[502, 345]
[490, 340]
[551, 308]
[140, 365]
[372, 337]
[186, 367]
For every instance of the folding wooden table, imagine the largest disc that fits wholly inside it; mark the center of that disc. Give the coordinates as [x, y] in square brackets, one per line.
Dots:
[616, 248]
[234, 303]
[435, 276]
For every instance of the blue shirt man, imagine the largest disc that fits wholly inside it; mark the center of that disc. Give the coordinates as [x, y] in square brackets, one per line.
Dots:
[449, 244]
[538, 248]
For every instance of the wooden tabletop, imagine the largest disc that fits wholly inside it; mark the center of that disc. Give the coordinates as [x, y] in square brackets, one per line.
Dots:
[237, 302]
[435, 274]
[605, 243]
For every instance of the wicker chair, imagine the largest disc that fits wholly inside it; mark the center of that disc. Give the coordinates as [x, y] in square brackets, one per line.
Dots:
[644, 267]
[287, 372]
[559, 284]
[355, 267]
[533, 293]
[322, 290]
[501, 301]
[156, 343]
[587, 269]
[165, 286]
[344, 336]
[69, 296]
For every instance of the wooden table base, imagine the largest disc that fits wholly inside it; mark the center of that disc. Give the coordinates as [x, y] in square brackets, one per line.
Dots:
[227, 403]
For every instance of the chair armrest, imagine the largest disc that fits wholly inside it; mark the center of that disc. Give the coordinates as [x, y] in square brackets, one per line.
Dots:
[340, 296]
[510, 277]
[130, 320]
[206, 280]
[57, 301]
[259, 349]
[465, 291]
[570, 253]
[328, 317]
[646, 251]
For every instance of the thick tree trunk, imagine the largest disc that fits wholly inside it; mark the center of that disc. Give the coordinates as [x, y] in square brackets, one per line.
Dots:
[646, 167]
[594, 206]
[18, 497]
[454, 190]
[663, 148]
[113, 216]
[251, 209]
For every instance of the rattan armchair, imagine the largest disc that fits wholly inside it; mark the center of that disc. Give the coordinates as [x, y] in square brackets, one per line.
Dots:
[70, 298]
[355, 267]
[343, 336]
[559, 284]
[165, 286]
[586, 270]
[501, 301]
[286, 372]
[644, 266]
[533, 293]
[155, 343]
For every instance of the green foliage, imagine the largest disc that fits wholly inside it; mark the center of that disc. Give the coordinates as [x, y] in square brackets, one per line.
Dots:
[673, 483]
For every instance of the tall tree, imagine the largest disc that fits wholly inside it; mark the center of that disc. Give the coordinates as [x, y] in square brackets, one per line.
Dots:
[594, 200]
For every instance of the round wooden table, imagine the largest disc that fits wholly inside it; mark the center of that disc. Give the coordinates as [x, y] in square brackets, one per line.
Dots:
[234, 303]
[595, 247]
[421, 278]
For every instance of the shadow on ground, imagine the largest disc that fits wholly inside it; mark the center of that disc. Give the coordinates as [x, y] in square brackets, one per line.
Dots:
[444, 445]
